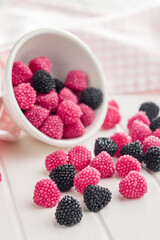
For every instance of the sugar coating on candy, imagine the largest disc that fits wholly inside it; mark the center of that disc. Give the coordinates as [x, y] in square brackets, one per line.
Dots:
[52, 127]
[46, 193]
[76, 80]
[103, 162]
[155, 123]
[63, 176]
[88, 176]
[126, 164]
[79, 157]
[36, 115]
[121, 139]
[150, 108]
[133, 185]
[55, 159]
[69, 211]
[139, 131]
[43, 82]
[96, 197]
[25, 95]
[141, 116]
[74, 130]
[88, 114]
[152, 159]
[48, 100]
[105, 144]
[113, 103]
[69, 112]
[59, 85]
[133, 149]
[40, 63]
[93, 97]
[20, 73]
[156, 133]
[112, 118]
[67, 94]
[150, 141]
[0, 177]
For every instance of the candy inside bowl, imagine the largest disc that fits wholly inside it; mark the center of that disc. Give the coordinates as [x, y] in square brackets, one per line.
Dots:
[67, 53]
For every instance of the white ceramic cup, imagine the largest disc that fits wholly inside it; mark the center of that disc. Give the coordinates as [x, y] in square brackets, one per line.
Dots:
[67, 52]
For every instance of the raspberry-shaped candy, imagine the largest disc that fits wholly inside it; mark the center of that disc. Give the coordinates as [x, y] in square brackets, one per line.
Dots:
[0, 177]
[76, 80]
[156, 133]
[25, 95]
[40, 63]
[63, 176]
[133, 185]
[69, 112]
[92, 97]
[59, 85]
[133, 149]
[48, 100]
[141, 116]
[105, 144]
[43, 82]
[46, 193]
[155, 123]
[113, 103]
[55, 159]
[139, 131]
[126, 164]
[87, 176]
[69, 211]
[152, 159]
[150, 108]
[150, 141]
[52, 127]
[88, 114]
[112, 118]
[36, 115]
[74, 130]
[121, 139]
[67, 94]
[96, 197]
[103, 162]
[80, 157]
[20, 73]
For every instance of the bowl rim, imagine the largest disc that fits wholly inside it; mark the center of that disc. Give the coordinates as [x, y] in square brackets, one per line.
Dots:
[22, 120]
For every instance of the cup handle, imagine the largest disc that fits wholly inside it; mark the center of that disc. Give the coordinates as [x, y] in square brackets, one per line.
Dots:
[9, 131]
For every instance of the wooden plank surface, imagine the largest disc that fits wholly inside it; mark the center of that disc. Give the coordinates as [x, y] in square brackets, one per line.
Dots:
[122, 219]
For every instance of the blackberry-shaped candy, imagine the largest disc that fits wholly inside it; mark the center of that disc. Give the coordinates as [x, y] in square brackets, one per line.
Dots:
[59, 85]
[155, 123]
[43, 82]
[63, 176]
[68, 212]
[152, 159]
[93, 97]
[96, 197]
[105, 144]
[150, 108]
[133, 149]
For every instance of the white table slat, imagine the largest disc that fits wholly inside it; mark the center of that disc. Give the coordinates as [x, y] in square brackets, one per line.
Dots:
[10, 225]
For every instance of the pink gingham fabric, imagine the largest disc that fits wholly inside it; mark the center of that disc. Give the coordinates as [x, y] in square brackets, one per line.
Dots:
[126, 46]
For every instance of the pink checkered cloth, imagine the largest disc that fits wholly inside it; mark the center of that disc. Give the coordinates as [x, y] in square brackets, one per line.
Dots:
[127, 46]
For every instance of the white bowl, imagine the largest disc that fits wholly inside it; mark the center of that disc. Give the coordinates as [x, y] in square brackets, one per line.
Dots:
[67, 52]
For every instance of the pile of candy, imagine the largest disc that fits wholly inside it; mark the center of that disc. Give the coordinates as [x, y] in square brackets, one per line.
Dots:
[77, 168]
[57, 109]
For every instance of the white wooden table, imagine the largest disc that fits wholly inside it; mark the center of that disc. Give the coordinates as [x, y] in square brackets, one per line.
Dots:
[22, 165]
